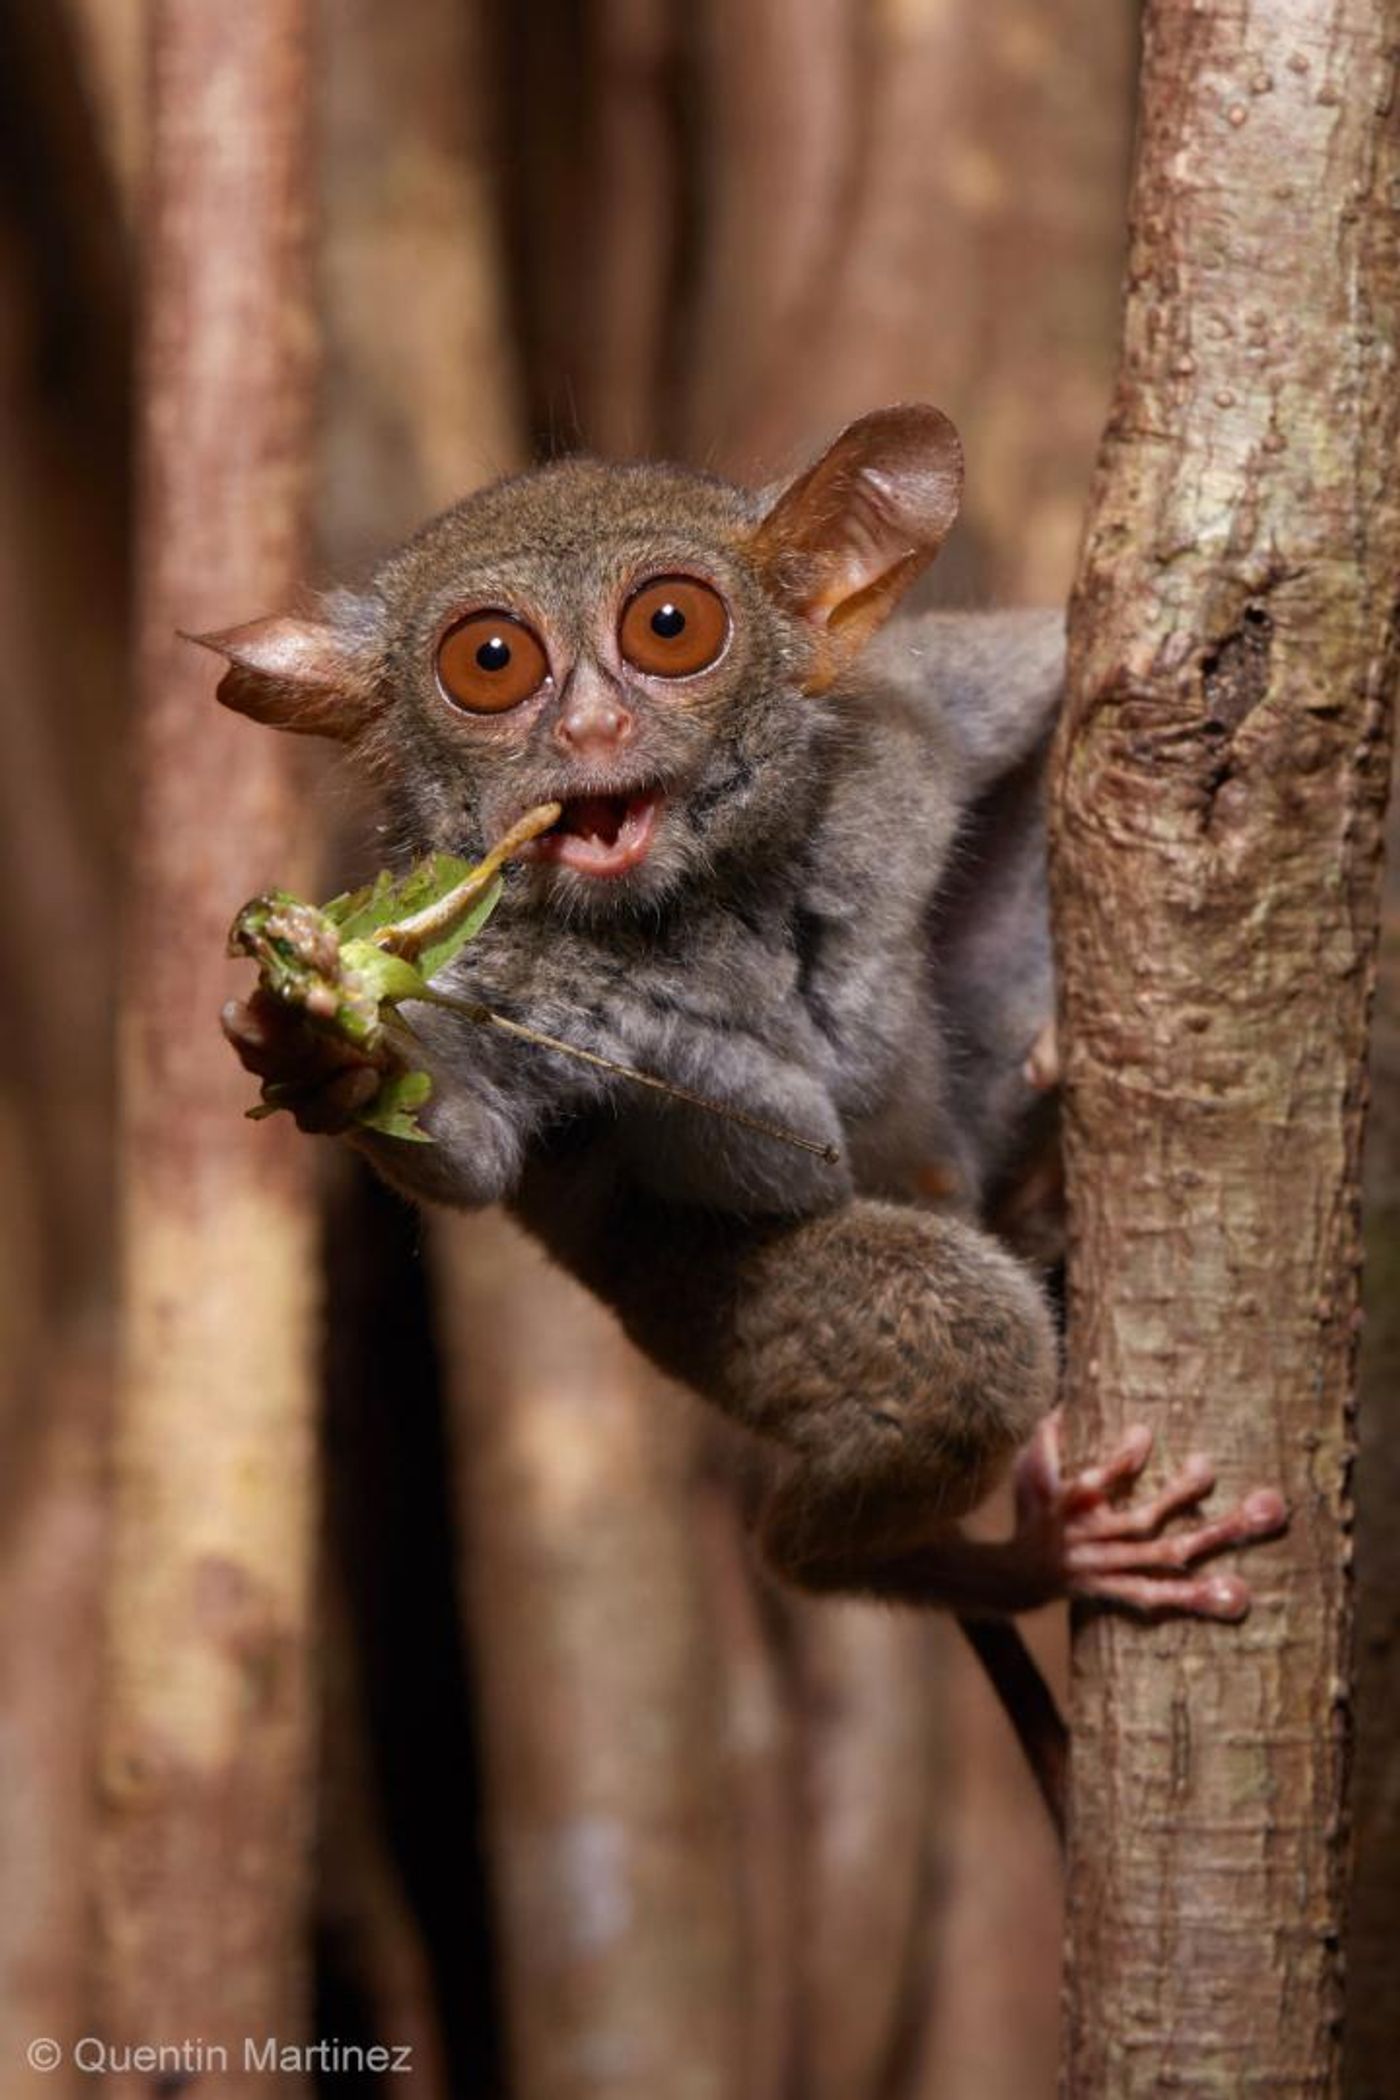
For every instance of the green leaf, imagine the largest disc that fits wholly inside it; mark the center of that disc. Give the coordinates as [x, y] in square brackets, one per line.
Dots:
[383, 976]
[393, 1110]
[436, 955]
[357, 911]
[387, 900]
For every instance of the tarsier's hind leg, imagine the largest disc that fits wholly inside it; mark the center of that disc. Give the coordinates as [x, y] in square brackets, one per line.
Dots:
[1075, 1536]
[902, 1360]
[852, 1514]
[899, 1357]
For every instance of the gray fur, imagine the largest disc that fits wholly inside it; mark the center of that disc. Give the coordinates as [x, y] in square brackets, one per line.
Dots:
[841, 929]
[776, 952]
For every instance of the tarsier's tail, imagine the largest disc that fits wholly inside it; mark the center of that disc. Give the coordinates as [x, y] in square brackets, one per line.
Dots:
[1030, 1707]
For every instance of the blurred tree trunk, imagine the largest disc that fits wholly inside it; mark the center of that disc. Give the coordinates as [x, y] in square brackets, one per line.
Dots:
[595, 213]
[1222, 779]
[848, 261]
[63, 704]
[420, 400]
[206, 1758]
[599, 1679]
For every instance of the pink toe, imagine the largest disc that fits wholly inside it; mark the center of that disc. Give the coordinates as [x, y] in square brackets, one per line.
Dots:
[1265, 1510]
[1229, 1597]
[1127, 1461]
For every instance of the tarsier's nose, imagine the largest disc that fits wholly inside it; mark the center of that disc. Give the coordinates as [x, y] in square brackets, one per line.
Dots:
[594, 719]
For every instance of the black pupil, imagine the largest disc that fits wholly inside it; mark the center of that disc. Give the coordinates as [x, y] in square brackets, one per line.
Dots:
[493, 655]
[668, 621]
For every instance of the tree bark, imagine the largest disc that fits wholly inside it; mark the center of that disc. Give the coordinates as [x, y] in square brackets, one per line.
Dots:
[1221, 784]
[205, 1756]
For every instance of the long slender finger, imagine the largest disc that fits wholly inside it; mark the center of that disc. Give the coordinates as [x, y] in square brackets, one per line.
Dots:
[275, 1042]
[273, 1045]
[1140, 1520]
[1254, 1518]
[1120, 1469]
[1194, 1596]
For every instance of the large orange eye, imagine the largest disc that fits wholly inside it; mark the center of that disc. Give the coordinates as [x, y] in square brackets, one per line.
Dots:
[673, 627]
[490, 661]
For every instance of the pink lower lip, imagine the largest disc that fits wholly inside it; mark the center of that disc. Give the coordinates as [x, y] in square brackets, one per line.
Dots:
[590, 855]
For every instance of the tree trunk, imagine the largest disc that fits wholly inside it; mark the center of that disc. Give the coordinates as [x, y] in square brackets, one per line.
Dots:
[205, 1751]
[63, 707]
[846, 264]
[1221, 784]
[616, 1888]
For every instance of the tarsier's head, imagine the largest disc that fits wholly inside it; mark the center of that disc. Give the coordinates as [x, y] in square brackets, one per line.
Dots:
[641, 644]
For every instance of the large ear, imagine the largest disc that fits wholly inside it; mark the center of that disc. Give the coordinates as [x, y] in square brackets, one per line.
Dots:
[299, 674]
[843, 542]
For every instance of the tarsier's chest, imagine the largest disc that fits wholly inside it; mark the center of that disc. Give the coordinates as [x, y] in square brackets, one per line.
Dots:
[753, 1017]
[667, 997]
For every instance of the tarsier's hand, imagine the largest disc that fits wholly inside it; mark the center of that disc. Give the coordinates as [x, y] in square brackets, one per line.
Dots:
[322, 1080]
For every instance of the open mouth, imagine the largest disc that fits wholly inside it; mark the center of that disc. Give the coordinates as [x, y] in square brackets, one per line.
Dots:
[601, 834]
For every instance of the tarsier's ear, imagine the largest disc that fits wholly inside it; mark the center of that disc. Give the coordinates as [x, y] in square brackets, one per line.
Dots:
[300, 674]
[843, 542]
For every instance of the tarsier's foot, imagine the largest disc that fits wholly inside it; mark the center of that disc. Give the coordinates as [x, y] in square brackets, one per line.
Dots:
[1075, 1537]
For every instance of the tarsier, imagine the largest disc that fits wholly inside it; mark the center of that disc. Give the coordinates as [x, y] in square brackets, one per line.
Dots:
[800, 869]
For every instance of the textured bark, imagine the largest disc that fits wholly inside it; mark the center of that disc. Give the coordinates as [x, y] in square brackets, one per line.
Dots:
[205, 1762]
[615, 1884]
[1222, 777]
